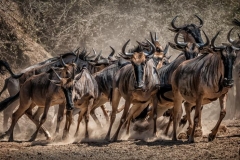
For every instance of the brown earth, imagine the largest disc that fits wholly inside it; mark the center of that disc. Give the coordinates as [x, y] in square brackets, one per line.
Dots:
[225, 146]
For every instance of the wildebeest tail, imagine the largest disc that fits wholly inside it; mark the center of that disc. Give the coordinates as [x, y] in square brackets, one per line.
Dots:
[6, 65]
[5, 86]
[4, 104]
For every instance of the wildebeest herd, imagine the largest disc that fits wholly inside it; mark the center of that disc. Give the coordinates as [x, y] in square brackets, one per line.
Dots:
[143, 76]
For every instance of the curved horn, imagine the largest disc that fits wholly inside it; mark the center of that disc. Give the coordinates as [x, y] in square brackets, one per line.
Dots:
[103, 61]
[173, 25]
[77, 50]
[156, 37]
[236, 22]
[112, 53]
[77, 57]
[57, 74]
[179, 43]
[213, 41]
[124, 48]
[207, 40]
[153, 50]
[63, 63]
[229, 36]
[98, 56]
[201, 21]
[151, 37]
[166, 49]
[235, 48]
[95, 53]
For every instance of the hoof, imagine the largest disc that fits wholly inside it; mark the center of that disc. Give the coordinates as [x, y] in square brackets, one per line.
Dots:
[10, 140]
[174, 139]
[182, 136]
[76, 135]
[3, 136]
[65, 136]
[211, 137]
[31, 139]
[190, 139]
[198, 133]
[113, 139]
[107, 138]
[49, 139]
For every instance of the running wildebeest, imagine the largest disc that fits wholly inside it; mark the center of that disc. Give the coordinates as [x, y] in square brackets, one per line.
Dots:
[136, 83]
[84, 89]
[38, 90]
[13, 84]
[202, 80]
[164, 93]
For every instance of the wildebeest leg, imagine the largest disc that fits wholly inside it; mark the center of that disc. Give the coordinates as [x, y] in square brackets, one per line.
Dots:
[93, 114]
[222, 101]
[38, 113]
[169, 122]
[115, 101]
[105, 112]
[67, 124]
[7, 113]
[177, 108]
[43, 119]
[123, 118]
[55, 114]
[36, 122]
[134, 111]
[16, 115]
[196, 117]
[155, 103]
[188, 107]
[80, 116]
[90, 103]
[60, 113]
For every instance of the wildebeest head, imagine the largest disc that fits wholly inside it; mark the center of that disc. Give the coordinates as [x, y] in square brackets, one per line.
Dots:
[228, 55]
[159, 57]
[190, 50]
[68, 69]
[138, 60]
[67, 86]
[190, 32]
[99, 62]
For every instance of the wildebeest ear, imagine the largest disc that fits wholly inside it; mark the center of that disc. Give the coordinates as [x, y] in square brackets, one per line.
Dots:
[56, 82]
[175, 46]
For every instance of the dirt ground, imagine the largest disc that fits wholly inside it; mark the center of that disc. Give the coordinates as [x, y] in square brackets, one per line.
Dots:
[135, 146]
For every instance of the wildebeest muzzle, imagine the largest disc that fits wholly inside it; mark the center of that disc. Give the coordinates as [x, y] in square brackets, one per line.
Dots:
[228, 82]
[139, 72]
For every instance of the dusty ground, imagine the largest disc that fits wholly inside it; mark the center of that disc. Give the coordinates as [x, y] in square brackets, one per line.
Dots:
[225, 146]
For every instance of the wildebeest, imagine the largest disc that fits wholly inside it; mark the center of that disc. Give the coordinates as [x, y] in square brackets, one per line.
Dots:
[84, 89]
[202, 80]
[38, 90]
[13, 84]
[164, 93]
[136, 83]
[190, 32]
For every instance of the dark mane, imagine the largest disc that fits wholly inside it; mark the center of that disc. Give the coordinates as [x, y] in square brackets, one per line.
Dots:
[166, 71]
[105, 77]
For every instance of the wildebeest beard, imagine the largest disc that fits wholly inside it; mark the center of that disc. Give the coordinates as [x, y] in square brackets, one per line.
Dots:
[68, 95]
